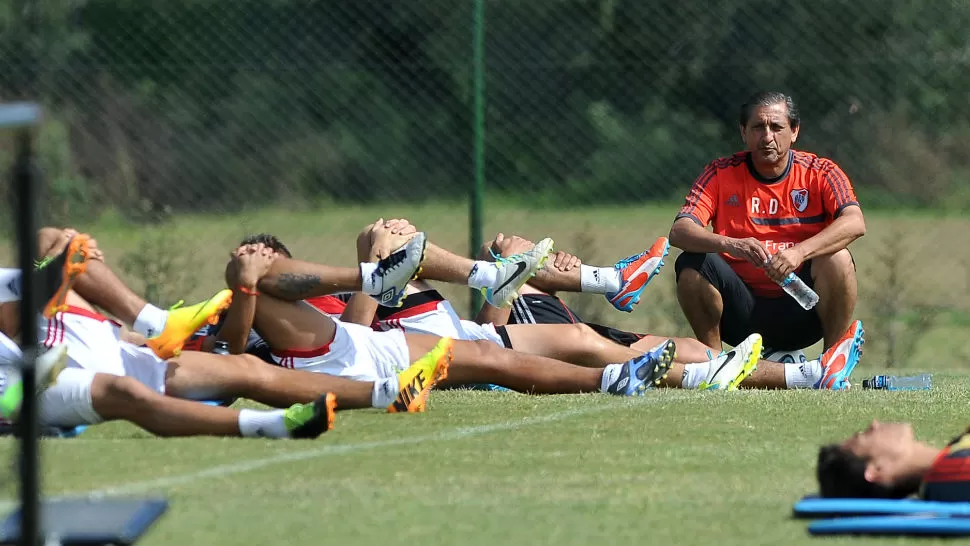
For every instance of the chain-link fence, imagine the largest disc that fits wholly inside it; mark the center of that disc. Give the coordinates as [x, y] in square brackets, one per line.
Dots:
[173, 128]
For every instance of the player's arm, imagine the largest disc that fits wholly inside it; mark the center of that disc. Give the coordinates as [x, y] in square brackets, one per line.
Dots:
[849, 226]
[689, 231]
[248, 265]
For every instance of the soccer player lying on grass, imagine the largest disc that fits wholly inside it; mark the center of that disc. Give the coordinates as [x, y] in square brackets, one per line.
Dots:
[695, 365]
[425, 311]
[302, 337]
[107, 378]
[886, 461]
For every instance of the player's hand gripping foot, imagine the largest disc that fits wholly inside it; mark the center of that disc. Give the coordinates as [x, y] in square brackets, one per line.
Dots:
[839, 361]
[515, 271]
[416, 382]
[644, 372]
[636, 272]
[48, 364]
[308, 421]
[59, 273]
[183, 322]
[391, 278]
[733, 367]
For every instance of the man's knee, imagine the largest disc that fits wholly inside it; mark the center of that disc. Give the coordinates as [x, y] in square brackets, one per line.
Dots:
[840, 262]
[690, 263]
[120, 397]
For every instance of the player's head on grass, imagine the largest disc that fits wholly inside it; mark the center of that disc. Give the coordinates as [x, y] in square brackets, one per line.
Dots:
[882, 461]
[268, 240]
[769, 123]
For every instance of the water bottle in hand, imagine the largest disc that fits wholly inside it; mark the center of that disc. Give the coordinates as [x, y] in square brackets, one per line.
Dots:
[796, 288]
[920, 382]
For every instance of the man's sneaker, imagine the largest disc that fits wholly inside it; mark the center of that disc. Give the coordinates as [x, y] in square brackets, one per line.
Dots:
[637, 271]
[416, 382]
[391, 278]
[58, 274]
[733, 367]
[47, 367]
[841, 358]
[515, 271]
[183, 322]
[644, 372]
[308, 421]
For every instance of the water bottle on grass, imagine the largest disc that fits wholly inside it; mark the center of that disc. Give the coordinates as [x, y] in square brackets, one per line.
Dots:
[920, 382]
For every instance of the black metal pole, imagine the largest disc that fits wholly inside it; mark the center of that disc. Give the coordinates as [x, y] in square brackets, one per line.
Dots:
[25, 186]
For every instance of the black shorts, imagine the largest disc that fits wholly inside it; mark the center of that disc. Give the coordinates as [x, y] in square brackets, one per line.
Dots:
[546, 309]
[783, 324]
[614, 335]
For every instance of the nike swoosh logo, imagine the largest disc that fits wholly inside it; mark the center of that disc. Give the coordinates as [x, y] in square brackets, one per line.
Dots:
[519, 268]
[730, 356]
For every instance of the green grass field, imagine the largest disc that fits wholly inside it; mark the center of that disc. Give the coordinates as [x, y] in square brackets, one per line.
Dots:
[674, 467]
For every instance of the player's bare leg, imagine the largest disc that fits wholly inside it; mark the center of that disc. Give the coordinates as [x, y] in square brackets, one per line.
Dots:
[124, 398]
[574, 343]
[834, 278]
[702, 305]
[485, 362]
[206, 376]
[293, 280]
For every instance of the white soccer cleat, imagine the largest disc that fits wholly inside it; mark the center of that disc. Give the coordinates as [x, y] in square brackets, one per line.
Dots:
[733, 367]
[395, 272]
[515, 271]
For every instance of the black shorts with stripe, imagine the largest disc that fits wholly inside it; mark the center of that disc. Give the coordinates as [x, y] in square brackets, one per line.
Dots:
[546, 309]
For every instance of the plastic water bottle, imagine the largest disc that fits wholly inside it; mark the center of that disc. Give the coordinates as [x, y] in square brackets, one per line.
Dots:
[796, 288]
[221, 348]
[920, 382]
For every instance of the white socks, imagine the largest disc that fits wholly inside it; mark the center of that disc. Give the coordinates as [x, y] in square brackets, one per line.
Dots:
[150, 321]
[262, 424]
[610, 374]
[803, 376]
[9, 285]
[385, 392]
[484, 274]
[694, 374]
[599, 280]
[368, 286]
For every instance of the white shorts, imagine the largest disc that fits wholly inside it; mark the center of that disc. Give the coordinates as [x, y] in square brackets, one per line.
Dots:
[438, 318]
[94, 346]
[356, 352]
[67, 403]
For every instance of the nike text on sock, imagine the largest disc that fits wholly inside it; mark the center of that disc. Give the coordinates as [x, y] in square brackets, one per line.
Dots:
[599, 280]
[483, 274]
[262, 424]
[610, 374]
[803, 375]
[696, 373]
[385, 392]
[150, 321]
[368, 282]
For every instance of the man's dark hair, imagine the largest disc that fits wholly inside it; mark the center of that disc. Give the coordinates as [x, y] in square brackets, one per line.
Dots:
[768, 98]
[268, 240]
[841, 474]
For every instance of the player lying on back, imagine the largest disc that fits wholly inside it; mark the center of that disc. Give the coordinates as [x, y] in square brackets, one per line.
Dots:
[301, 337]
[886, 461]
[693, 367]
[107, 378]
[425, 311]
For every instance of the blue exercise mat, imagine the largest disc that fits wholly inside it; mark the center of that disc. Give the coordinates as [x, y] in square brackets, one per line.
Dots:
[923, 525]
[816, 507]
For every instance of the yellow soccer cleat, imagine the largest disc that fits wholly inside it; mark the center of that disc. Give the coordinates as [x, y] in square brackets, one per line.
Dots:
[183, 322]
[416, 382]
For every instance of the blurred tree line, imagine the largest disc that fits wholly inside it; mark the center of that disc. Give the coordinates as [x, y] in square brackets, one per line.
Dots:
[202, 104]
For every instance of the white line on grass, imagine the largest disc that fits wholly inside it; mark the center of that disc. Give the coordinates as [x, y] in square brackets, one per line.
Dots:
[255, 464]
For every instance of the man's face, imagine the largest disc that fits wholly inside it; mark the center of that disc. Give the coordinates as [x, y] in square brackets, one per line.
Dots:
[883, 446]
[768, 136]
